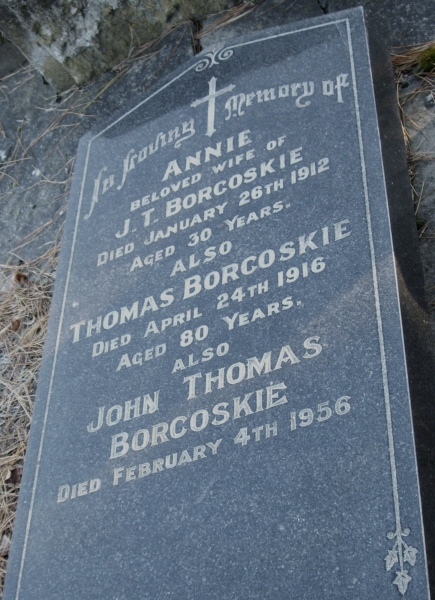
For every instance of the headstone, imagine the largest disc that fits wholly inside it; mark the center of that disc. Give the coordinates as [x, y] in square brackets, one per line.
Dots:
[223, 408]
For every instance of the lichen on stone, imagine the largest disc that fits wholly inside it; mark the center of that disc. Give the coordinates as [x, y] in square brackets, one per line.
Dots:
[88, 37]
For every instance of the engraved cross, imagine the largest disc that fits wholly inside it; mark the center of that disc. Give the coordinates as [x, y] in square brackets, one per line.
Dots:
[211, 99]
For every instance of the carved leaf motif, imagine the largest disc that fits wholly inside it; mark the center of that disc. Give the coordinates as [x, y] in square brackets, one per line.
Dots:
[391, 559]
[402, 580]
[410, 555]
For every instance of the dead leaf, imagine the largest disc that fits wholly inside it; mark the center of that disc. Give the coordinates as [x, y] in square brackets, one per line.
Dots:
[20, 277]
[15, 475]
[5, 545]
[15, 325]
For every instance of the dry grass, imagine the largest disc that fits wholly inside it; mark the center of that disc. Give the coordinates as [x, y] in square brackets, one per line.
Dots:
[25, 296]
[407, 58]
[407, 65]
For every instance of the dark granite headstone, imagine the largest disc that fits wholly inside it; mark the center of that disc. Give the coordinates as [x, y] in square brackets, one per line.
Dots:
[223, 408]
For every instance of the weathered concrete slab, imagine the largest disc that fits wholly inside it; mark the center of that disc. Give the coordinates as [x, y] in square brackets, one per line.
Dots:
[400, 23]
[10, 58]
[270, 13]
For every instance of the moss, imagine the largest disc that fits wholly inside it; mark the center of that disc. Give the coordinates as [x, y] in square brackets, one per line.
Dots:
[56, 73]
[36, 28]
[426, 61]
[108, 10]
